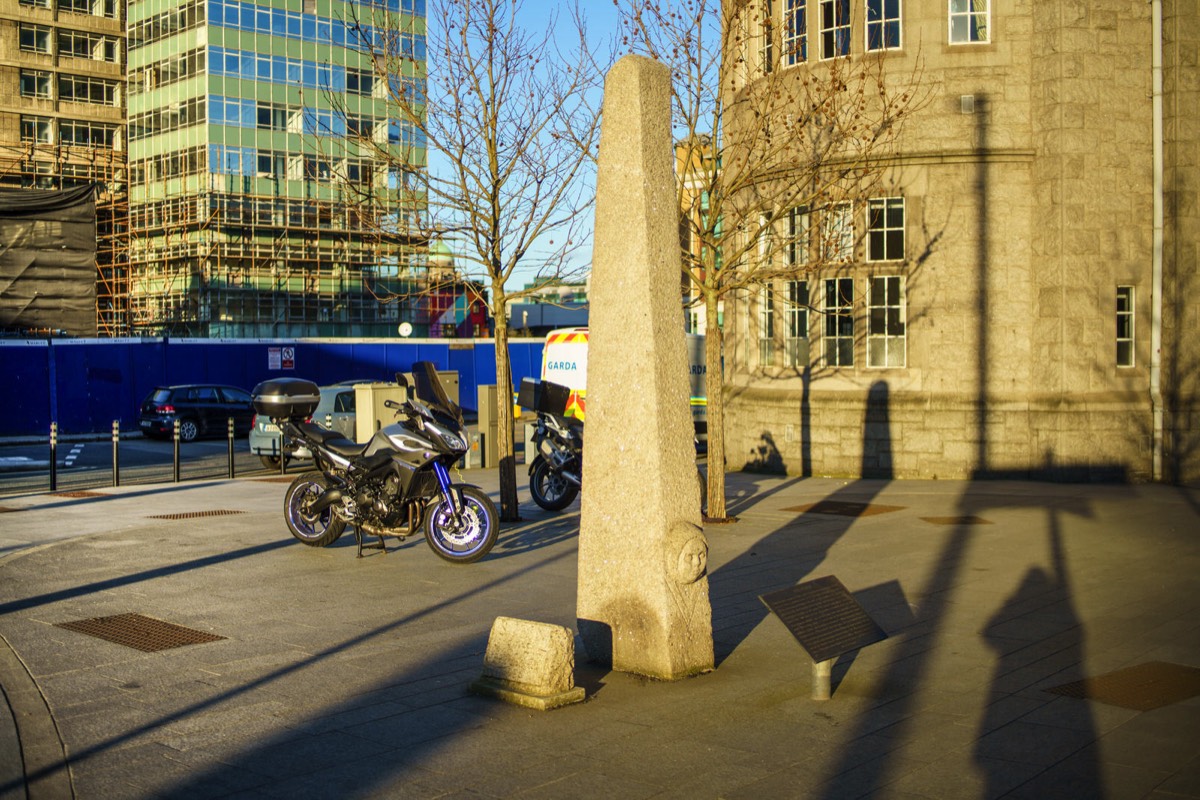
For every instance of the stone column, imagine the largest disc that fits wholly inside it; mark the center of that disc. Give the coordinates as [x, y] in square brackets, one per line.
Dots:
[643, 588]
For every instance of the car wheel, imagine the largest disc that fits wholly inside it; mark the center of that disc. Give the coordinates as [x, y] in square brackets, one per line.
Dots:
[188, 430]
[272, 462]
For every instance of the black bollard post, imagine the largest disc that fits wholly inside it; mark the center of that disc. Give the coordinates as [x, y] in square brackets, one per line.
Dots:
[231, 448]
[116, 439]
[176, 451]
[282, 455]
[53, 456]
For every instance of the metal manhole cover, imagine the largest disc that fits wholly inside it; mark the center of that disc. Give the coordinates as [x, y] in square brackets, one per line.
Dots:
[80, 494]
[139, 632]
[843, 508]
[969, 519]
[1144, 687]
[216, 512]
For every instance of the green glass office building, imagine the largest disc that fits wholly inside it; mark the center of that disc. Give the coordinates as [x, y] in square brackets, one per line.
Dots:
[273, 189]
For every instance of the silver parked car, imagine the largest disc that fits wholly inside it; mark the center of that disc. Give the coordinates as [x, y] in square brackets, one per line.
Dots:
[335, 412]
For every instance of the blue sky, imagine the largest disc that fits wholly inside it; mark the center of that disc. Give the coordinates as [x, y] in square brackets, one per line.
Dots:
[601, 19]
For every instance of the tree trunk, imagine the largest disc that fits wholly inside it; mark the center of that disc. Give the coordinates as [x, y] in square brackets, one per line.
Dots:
[510, 510]
[714, 385]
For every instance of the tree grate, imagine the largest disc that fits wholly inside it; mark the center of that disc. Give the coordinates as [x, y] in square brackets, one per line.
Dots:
[80, 494]
[215, 512]
[139, 632]
[969, 519]
[1144, 687]
[842, 508]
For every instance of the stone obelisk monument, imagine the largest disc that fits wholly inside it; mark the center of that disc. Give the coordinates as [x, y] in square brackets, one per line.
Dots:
[643, 587]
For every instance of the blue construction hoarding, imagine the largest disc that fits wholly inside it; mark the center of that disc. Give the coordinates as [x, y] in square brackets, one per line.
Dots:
[85, 384]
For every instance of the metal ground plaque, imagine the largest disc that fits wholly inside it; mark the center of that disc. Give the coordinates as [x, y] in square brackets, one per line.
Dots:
[824, 617]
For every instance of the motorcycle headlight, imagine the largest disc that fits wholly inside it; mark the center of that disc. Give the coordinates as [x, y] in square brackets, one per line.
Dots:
[454, 440]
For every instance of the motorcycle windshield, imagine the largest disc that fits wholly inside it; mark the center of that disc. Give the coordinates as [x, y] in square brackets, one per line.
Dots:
[428, 389]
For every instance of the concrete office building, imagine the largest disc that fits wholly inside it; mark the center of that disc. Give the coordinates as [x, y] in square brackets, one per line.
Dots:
[62, 113]
[1022, 298]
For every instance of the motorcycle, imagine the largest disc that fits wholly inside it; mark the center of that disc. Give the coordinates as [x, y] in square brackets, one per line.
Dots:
[556, 471]
[395, 484]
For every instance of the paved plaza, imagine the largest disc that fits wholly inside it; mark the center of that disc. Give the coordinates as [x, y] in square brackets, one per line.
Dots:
[341, 677]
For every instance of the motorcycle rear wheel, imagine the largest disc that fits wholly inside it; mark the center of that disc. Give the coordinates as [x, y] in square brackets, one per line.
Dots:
[315, 530]
[474, 538]
[550, 490]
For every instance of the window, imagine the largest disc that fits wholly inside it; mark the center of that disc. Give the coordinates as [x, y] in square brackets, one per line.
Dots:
[835, 28]
[80, 44]
[795, 352]
[885, 229]
[35, 39]
[839, 322]
[85, 134]
[37, 129]
[968, 21]
[797, 246]
[795, 32]
[35, 83]
[766, 326]
[36, 3]
[1125, 355]
[84, 89]
[766, 45]
[837, 234]
[885, 323]
[883, 24]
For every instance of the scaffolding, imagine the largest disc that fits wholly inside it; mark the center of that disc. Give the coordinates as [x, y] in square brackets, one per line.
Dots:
[236, 264]
[44, 166]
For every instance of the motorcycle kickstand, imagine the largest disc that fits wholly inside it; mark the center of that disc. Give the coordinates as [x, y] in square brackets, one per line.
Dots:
[358, 537]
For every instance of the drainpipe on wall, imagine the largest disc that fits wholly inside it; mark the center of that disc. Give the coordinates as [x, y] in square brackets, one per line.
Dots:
[1156, 285]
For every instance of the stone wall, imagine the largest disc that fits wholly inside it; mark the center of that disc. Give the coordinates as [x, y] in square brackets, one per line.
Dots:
[1022, 219]
[879, 433]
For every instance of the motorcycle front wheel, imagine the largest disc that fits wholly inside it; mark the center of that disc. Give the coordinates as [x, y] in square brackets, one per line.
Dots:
[549, 489]
[473, 538]
[319, 529]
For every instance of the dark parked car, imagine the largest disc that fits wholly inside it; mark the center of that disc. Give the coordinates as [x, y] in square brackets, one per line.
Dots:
[202, 410]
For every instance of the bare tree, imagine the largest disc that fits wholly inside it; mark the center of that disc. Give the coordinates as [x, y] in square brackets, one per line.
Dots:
[510, 122]
[765, 143]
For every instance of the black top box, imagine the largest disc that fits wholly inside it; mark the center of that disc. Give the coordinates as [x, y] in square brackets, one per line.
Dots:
[544, 396]
[286, 398]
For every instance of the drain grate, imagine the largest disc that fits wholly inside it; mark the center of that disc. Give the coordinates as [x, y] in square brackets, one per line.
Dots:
[1144, 687]
[80, 494]
[280, 479]
[7, 510]
[139, 632]
[214, 512]
[969, 519]
[842, 508]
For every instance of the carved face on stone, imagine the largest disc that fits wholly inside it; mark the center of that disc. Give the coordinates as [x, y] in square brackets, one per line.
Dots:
[692, 562]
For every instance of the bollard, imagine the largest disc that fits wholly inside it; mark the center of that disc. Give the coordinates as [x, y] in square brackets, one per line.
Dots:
[176, 456]
[821, 679]
[116, 439]
[231, 469]
[329, 421]
[53, 456]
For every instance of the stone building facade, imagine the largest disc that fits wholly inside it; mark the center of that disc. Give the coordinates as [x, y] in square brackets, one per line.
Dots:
[1022, 299]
